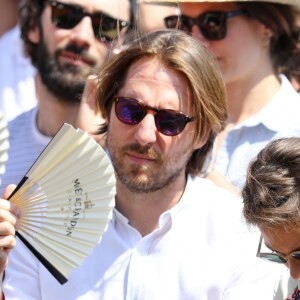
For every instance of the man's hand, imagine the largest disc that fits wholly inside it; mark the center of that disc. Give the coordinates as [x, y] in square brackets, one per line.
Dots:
[9, 216]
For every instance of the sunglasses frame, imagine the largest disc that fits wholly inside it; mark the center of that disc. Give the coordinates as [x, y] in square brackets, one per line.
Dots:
[80, 11]
[189, 22]
[283, 259]
[146, 108]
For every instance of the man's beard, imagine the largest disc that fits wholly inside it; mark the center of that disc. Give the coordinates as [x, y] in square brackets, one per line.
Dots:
[66, 82]
[141, 179]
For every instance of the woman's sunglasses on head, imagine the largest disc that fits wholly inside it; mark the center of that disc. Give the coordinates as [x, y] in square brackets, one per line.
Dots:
[212, 24]
[276, 257]
[67, 16]
[168, 122]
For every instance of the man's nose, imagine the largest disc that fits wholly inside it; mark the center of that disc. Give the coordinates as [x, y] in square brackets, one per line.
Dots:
[82, 34]
[294, 268]
[146, 131]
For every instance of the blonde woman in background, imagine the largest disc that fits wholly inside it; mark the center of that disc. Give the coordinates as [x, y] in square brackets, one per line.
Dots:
[253, 42]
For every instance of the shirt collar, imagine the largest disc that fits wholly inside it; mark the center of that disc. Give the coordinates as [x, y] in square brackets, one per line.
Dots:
[165, 216]
[276, 112]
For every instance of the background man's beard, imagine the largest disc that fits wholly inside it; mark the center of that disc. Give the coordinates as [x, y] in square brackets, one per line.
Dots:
[65, 82]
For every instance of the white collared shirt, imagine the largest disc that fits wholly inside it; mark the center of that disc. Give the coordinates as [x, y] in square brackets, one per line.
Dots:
[200, 251]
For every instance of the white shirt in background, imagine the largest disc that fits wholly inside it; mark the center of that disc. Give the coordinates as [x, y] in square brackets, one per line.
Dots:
[279, 118]
[17, 87]
[26, 144]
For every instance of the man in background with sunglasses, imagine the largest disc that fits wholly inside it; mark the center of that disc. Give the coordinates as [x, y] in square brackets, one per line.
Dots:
[271, 201]
[173, 235]
[67, 41]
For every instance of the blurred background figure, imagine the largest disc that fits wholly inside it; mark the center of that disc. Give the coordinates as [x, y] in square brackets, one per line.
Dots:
[253, 42]
[17, 88]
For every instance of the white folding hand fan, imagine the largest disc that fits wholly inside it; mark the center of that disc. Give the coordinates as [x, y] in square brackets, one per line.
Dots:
[4, 144]
[66, 199]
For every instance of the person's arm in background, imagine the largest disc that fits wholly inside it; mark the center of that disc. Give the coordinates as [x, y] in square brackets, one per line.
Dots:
[8, 15]
[216, 177]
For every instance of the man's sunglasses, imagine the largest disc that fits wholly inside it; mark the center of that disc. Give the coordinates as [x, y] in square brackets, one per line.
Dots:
[276, 257]
[212, 24]
[168, 122]
[67, 16]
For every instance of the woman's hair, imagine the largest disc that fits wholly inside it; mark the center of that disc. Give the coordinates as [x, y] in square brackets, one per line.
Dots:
[183, 54]
[284, 22]
[271, 193]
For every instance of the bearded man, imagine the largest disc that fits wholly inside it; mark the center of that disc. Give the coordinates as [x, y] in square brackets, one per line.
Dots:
[66, 41]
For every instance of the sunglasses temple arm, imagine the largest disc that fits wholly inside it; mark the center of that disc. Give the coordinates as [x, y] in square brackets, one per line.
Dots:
[259, 246]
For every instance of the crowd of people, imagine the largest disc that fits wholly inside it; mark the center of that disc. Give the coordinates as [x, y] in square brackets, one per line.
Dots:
[196, 104]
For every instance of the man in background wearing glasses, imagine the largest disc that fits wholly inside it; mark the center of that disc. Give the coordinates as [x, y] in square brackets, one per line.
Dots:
[173, 235]
[67, 41]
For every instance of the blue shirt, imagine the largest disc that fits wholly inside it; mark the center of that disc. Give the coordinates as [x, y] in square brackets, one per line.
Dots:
[279, 118]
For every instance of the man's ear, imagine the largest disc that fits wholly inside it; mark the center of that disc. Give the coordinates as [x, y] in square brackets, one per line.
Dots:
[200, 143]
[34, 35]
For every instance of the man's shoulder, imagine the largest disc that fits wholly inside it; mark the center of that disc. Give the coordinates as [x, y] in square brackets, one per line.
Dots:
[203, 196]
[208, 211]
[206, 190]
[22, 121]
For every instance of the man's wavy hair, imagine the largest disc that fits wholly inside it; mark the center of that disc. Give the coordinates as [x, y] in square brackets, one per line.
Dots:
[284, 22]
[30, 12]
[271, 193]
[185, 55]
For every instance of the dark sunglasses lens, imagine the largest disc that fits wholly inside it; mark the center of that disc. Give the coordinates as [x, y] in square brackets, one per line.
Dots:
[177, 22]
[296, 255]
[212, 25]
[129, 111]
[273, 258]
[169, 122]
[65, 17]
[106, 28]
